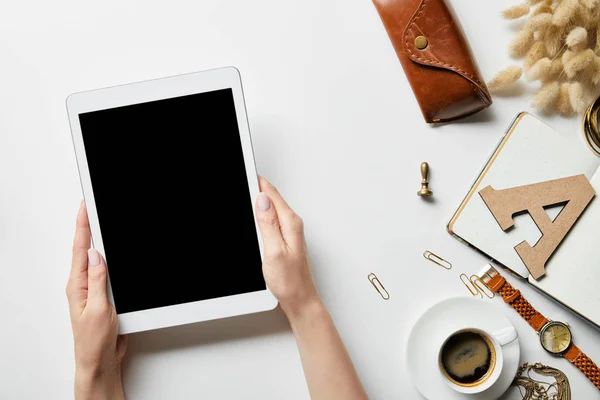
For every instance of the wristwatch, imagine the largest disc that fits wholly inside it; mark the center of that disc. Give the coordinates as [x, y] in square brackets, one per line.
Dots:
[555, 336]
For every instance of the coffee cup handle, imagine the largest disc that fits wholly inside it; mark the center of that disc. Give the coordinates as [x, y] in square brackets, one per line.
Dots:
[506, 335]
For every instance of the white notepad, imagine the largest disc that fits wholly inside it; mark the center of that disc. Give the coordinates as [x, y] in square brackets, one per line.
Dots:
[532, 152]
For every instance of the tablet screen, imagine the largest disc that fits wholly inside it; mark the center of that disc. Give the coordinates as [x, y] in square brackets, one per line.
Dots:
[173, 202]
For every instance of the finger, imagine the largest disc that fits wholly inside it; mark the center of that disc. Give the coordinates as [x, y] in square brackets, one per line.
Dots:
[82, 242]
[280, 204]
[96, 280]
[78, 279]
[292, 227]
[268, 223]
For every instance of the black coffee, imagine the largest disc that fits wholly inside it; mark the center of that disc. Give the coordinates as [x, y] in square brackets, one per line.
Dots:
[466, 357]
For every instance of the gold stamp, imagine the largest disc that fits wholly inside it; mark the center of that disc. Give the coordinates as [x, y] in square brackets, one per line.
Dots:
[425, 191]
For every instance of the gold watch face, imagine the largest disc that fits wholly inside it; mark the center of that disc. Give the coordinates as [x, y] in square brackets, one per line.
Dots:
[555, 337]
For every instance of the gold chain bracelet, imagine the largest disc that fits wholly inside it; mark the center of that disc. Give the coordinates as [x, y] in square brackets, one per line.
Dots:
[533, 389]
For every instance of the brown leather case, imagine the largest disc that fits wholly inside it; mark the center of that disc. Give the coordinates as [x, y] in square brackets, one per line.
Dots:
[444, 75]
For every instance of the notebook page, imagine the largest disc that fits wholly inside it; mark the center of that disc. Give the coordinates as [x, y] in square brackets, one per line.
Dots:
[534, 152]
[573, 272]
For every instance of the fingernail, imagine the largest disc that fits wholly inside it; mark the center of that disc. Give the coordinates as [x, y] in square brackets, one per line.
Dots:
[263, 202]
[93, 258]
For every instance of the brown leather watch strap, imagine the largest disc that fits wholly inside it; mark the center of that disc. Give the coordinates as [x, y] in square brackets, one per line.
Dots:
[584, 364]
[498, 284]
[513, 297]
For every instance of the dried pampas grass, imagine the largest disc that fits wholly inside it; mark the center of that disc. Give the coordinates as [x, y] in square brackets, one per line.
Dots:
[522, 43]
[577, 97]
[542, 10]
[517, 11]
[567, 56]
[578, 62]
[535, 53]
[553, 40]
[595, 73]
[589, 4]
[576, 37]
[540, 70]
[545, 99]
[586, 17]
[556, 69]
[540, 21]
[563, 102]
[565, 12]
[504, 78]
[560, 47]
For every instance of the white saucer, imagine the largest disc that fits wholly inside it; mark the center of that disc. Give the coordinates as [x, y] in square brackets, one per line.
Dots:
[433, 327]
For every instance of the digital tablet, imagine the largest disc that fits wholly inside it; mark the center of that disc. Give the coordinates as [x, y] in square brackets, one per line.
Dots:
[169, 181]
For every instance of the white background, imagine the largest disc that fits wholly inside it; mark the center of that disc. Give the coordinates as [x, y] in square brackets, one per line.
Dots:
[335, 128]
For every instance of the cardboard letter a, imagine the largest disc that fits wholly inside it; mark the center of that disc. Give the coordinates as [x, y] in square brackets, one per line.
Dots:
[575, 191]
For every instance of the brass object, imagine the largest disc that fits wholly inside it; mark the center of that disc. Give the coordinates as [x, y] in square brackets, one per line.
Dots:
[421, 42]
[467, 282]
[555, 337]
[378, 286]
[591, 133]
[488, 274]
[482, 287]
[533, 389]
[424, 191]
[437, 259]
[476, 286]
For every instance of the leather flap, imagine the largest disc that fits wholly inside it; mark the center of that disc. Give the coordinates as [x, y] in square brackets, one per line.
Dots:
[446, 45]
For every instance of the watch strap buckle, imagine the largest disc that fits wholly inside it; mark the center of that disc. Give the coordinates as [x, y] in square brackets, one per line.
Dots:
[491, 278]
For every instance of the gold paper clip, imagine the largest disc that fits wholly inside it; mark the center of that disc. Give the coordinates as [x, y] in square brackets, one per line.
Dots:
[476, 286]
[437, 259]
[375, 281]
[467, 282]
[482, 287]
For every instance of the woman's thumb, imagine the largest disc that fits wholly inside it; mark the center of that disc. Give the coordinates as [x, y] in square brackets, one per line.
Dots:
[268, 222]
[96, 278]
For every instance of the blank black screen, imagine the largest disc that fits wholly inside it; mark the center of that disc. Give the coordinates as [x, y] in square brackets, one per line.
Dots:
[173, 202]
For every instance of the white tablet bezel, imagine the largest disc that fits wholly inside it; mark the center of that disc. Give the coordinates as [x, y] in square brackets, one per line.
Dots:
[141, 92]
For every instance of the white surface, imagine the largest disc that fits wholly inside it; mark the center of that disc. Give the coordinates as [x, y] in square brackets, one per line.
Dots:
[334, 126]
[441, 321]
[152, 90]
[534, 152]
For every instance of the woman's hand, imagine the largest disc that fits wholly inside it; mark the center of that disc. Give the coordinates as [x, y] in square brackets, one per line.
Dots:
[285, 260]
[98, 348]
[327, 366]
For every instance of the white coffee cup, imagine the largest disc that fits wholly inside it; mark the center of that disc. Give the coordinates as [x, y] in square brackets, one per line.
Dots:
[495, 341]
